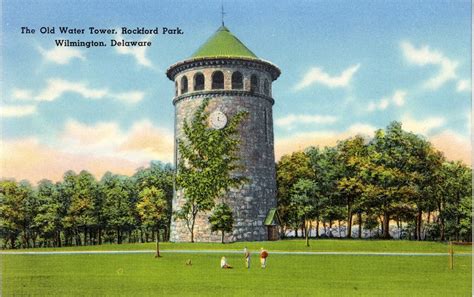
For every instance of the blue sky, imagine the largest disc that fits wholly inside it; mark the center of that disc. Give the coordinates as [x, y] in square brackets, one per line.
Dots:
[348, 67]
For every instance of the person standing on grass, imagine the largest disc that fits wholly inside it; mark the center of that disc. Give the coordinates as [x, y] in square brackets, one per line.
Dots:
[247, 258]
[263, 257]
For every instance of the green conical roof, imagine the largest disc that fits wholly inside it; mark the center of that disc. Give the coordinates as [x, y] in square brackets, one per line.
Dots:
[223, 44]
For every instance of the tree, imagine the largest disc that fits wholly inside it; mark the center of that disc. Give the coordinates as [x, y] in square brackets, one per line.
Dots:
[152, 208]
[160, 176]
[302, 194]
[221, 219]
[118, 204]
[326, 173]
[456, 205]
[47, 221]
[352, 154]
[289, 170]
[207, 162]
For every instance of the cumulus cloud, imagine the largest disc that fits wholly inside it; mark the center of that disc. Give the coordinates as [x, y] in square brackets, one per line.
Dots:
[464, 85]
[398, 98]
[316, 75]
[454, 146]
[61, 55]
[97, 148]
[56, 87]
[423, 56]
[421, 126]
[291, 120]
[138, 52]
[21, 94]
[301, 141]
[16, 111]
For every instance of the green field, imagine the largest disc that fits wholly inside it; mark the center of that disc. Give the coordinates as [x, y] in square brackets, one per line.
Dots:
[286, 275]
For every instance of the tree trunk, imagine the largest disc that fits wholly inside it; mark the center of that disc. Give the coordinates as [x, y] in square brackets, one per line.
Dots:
[157, 255]
[296, 232]
[442, 230]
[306, 233]
[419, 219]
[339, 228]
[360, 225]
[386, 223]
[222, 238]
[317, 228]
[349, 221]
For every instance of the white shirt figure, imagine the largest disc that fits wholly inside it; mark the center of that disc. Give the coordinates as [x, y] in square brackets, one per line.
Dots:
[247, 258]
[223, 262]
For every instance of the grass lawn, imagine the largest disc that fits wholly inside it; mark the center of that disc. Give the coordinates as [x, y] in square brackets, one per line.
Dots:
[286, 275]
[320, 245]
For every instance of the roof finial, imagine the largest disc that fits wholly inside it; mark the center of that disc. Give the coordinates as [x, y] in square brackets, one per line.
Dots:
[222, 12]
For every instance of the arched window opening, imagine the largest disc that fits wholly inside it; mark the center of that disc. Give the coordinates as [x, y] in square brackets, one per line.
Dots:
[253, 83]
[184, 85]
[218, 80]
[266, 87]
[237, 81]
[198, 82]
[176, 88]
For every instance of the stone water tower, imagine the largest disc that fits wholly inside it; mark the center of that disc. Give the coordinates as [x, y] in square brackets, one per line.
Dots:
[224, 70]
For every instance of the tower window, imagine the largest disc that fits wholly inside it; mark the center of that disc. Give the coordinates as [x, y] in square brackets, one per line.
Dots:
[218, 80]
[266, 87]
[198, 82]
[176, 88]
[184, 85]
[253, 83]
[237, 80]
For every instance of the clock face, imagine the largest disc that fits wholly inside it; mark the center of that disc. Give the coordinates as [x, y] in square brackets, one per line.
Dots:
[217, 119]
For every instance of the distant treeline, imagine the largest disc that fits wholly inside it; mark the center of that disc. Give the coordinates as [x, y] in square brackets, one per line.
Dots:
[79, 210]
[394, 177]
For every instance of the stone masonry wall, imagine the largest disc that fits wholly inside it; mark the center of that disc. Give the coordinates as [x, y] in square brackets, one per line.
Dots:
[251, 202]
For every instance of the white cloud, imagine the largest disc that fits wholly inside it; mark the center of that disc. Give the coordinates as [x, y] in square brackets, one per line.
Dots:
[317, 75]
[464, 85]
[398, 99]
[22, 94]
[56, 87]
[422, 126]
[453, 145]
[138, 52]
[16, 111]
[130, 97]
[290, 120]
[301, 141]
[61, 55]
[98, 148]
[426, 56]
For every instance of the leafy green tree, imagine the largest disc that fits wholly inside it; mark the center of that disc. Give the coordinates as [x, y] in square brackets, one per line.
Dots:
[17, 209]
[47, 221]
[11, 215]
[207, 159]
[301, 195]
[456, 210]
[289, 170]
[160, 176]
[152, 208]
[326, 170]
[119, 208]
[221, 219]
[352, 154]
